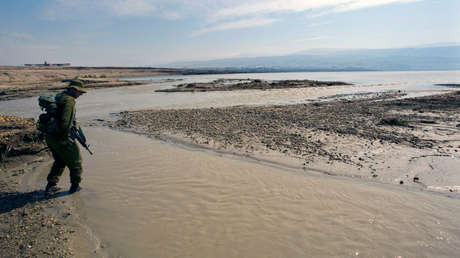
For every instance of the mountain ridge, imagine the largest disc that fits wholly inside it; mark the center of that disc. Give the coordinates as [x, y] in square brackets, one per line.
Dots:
[392, 59]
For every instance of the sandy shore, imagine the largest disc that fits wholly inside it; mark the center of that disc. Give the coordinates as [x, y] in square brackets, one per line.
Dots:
[402, 141]
[21, 82]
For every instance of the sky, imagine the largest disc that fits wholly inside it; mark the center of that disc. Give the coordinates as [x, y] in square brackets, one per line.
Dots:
[159, 32]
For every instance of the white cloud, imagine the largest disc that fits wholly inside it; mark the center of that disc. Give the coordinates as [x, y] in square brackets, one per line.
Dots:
[277, 6]
[355, 5]
[235, 25]
[168, 9]
[213, 10]
[245, 11]
[216, 15]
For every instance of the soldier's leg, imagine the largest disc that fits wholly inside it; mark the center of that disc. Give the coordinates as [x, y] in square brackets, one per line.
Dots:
[74, 162]
[56, 170]
[75, 175]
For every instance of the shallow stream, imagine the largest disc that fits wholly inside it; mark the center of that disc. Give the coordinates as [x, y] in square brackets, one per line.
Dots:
[146, 198]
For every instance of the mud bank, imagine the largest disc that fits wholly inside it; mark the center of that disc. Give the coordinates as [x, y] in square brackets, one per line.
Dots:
[249, 84]
[30, 224]
[457, 85]
[377, 138]
[18, 136]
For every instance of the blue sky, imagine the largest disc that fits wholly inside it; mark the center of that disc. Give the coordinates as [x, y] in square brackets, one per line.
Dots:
[156, 32]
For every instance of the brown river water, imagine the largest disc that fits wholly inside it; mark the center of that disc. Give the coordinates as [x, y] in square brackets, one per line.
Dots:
[148, 198]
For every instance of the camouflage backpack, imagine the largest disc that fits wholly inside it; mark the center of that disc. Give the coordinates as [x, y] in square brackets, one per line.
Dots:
[47, 122]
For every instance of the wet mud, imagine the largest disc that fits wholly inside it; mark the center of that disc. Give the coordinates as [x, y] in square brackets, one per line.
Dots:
[289, 128]
[249, 84]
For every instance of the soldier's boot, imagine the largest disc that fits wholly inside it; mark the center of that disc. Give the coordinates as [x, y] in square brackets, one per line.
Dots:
[75, 179]
[51, 188]
[74, 188]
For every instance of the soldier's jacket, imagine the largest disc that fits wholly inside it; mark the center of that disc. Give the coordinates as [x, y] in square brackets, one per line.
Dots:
[65, 114]
[65, 151]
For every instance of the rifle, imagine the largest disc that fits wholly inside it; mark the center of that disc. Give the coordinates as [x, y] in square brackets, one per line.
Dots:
[80, 136]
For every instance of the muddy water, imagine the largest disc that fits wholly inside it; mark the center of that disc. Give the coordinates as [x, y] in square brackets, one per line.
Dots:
[146, 198]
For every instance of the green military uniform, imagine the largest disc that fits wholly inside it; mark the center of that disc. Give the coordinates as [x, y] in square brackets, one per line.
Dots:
[65, 151]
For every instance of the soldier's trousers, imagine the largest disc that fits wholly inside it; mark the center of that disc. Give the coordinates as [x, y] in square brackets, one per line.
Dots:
[66, 154]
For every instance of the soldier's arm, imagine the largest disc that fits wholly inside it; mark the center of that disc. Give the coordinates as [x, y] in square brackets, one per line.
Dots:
[68, 105]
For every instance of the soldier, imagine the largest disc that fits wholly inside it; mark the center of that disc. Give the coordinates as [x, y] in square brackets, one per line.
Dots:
[65, 151]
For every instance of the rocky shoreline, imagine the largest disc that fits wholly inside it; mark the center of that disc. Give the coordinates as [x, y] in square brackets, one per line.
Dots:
[249, 84]
[351, 133]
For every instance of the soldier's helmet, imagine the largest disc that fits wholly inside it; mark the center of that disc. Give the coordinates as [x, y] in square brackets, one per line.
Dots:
[77, 84]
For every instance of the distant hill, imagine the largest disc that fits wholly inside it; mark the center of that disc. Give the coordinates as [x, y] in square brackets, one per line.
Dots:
[397, 59]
